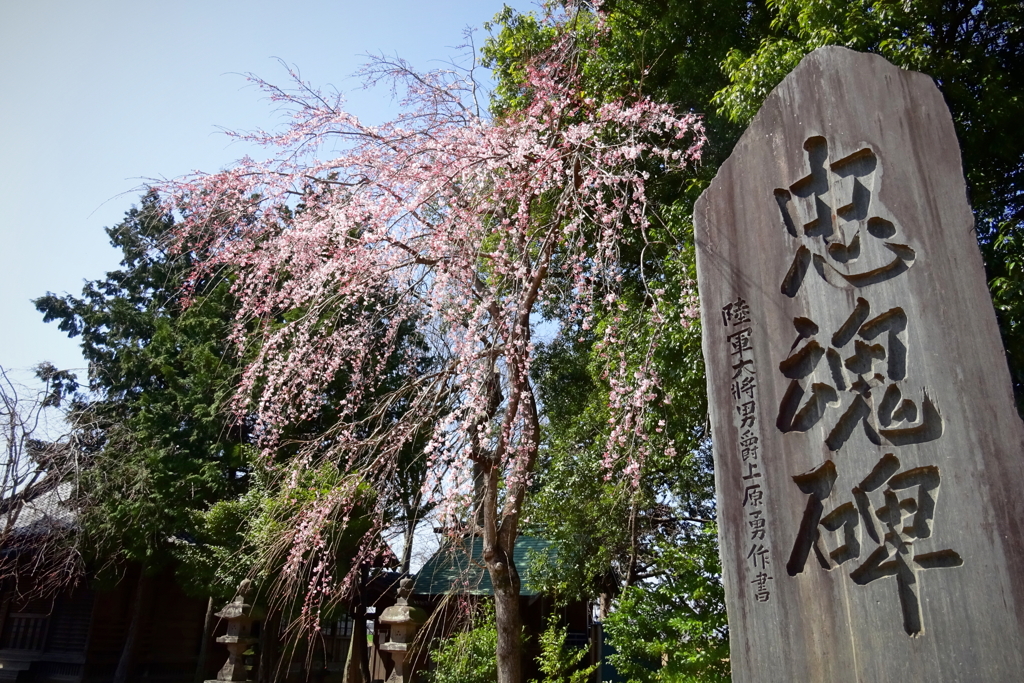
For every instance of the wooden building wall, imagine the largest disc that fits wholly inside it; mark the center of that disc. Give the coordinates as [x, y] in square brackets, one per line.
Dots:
[78, 636]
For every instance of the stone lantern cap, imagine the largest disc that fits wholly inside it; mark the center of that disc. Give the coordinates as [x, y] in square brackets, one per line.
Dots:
[244, 640]
[235, 610]
[402, 612]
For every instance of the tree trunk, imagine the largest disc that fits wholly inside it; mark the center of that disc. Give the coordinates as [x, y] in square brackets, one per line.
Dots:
[410, 530]
[200, 674]
[131, 643]
[270, 641]
[499, 542]
[509, 621]
[357, 667]
[606, 604]
[500, 530]
[352, 673]
[479, 482]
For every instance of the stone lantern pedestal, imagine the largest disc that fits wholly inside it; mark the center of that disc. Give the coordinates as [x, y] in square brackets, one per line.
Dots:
[404, 620]
[238, 639]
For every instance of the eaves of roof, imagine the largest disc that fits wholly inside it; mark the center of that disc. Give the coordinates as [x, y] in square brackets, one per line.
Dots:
[458, 567]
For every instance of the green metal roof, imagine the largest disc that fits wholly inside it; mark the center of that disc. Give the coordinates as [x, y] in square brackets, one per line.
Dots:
[458, 567]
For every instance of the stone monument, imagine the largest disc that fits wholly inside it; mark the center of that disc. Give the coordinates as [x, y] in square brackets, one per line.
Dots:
[404, 619]
[868, 452]
[238, 638]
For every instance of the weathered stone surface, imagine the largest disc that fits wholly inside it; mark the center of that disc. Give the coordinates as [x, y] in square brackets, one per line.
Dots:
[239, 616]
[404, 620]
[850, 340]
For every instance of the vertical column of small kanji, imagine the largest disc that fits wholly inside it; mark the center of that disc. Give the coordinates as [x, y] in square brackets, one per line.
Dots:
[736, 316]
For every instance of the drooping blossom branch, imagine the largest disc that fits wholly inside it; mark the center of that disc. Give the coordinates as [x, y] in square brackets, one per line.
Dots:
[446, 225]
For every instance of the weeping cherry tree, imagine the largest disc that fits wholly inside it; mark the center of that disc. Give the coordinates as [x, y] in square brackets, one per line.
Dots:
[461, 226]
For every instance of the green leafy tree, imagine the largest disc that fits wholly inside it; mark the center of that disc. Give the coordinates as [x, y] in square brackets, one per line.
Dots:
[557, 662]
[625, 513]
[636, 531]
[160, 373]
[468, 656]
[169, 477]
[974, 50]
[672, 628]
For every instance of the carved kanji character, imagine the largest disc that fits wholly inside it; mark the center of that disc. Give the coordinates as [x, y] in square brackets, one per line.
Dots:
[747, 414]
[739, 342]
[756, 522]
[817, 484]
[908, 494]
[736, 313]
[743, 367]
[759, 555]
[761, 579]
[828, 210]
[866, 359]
[752, 495]
[744, 388]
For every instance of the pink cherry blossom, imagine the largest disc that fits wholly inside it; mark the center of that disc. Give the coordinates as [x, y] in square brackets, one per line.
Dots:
[450, 223]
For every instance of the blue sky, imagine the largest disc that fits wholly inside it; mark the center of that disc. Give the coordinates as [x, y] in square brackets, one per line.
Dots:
[98, 96]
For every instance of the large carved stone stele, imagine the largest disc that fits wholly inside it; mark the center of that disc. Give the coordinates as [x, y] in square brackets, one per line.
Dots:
[868, 453]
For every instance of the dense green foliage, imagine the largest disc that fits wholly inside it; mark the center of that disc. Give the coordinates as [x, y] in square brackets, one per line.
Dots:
[559, 663]
[604, 544]
[170, 475]
[468, 656]
[672, 629]
[974, 50]
[622, 534]
[160, 374]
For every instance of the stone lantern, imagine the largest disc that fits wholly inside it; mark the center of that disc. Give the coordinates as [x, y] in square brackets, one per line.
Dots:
[239, 637]
[404, 620]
